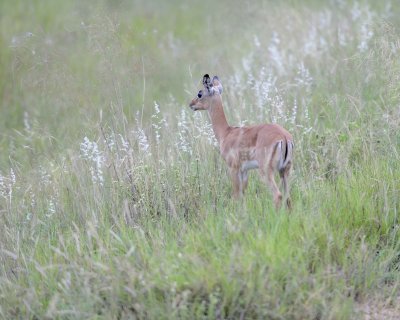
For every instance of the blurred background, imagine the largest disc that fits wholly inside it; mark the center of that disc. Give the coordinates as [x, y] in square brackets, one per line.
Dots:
[65, 63]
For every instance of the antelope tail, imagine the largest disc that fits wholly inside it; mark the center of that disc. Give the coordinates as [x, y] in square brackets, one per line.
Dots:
[285, 155]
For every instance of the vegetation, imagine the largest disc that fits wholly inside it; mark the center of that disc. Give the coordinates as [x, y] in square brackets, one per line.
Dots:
[115, 202]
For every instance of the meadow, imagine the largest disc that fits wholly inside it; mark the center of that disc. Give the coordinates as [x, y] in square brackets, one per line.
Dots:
[115, 202]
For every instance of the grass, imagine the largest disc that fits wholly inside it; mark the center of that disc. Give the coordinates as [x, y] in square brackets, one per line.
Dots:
[115, 202]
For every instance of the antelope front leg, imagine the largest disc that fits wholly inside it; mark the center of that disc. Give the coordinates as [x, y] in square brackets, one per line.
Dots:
[237, 182]
[245, 180]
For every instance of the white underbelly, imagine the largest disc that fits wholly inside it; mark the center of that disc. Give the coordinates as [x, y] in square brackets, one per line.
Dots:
[250, 164]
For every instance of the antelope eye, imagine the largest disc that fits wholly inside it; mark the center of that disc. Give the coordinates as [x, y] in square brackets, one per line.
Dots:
[200, 94]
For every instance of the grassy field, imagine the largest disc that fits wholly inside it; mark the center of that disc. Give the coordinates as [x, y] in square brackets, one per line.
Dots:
[115, 202]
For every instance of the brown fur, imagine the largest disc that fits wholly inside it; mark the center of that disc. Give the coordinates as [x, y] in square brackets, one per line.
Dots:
[269, 145]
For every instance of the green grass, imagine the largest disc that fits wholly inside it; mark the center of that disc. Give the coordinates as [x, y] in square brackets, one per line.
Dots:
[115, 202]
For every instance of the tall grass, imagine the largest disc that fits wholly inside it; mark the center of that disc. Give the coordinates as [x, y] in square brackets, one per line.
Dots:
[115, 202]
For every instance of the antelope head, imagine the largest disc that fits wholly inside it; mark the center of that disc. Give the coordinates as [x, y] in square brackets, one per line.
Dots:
[212, 89]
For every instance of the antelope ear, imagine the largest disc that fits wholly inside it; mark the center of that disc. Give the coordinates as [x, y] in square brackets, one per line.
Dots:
[217, 84]
[207, 83]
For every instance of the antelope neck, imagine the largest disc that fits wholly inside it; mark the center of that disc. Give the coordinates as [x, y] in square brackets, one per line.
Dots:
[218, 119]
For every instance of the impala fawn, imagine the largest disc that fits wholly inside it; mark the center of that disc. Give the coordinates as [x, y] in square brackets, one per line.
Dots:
[267, 147]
